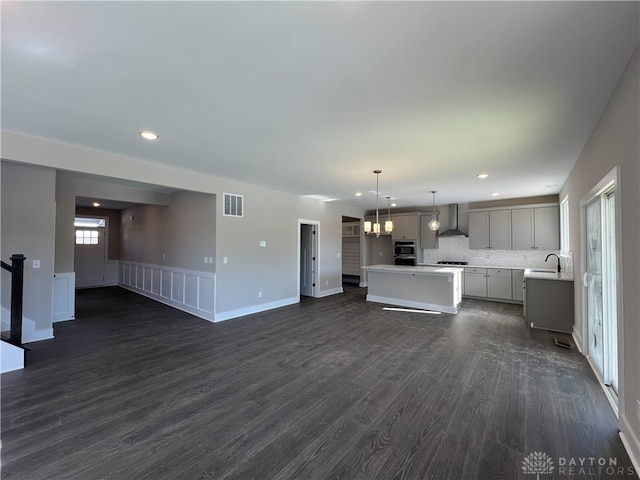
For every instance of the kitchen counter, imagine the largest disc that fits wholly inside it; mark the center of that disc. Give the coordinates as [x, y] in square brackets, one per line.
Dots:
[425, 287]
[531, 273]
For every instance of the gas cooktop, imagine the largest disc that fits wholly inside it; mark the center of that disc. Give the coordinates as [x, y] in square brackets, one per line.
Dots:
[451, 262]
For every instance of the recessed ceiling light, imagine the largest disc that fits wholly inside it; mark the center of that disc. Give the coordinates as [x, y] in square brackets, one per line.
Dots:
[552, 186]
[358, 194]
[482, 175]
[96, 204]
[148, 135]
[495, 194]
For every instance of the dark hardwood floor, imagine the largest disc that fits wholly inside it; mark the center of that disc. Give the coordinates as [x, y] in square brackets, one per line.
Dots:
[331, 388]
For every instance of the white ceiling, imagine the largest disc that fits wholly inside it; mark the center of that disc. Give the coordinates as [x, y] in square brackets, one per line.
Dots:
[310, 98]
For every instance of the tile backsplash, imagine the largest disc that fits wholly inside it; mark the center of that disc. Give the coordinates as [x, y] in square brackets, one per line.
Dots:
[457, 249]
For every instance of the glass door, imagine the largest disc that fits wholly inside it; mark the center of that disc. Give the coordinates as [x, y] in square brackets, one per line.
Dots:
[593, 283]
[600, 284]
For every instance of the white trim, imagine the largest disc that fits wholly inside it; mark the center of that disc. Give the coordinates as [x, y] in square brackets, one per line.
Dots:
[241, 312]
[333, 291]
[412, 304]
[29, 332]
[364, 284]
[136, 282]
[577, 338]
[630, 442]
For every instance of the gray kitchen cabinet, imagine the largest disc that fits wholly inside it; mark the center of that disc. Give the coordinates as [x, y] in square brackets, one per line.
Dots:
[517, 277]
[475, 282]
[405, 227]
[535, 228]
[428, 238]
[490, 230]
[549, 304]
[499, 283]
[351, 229]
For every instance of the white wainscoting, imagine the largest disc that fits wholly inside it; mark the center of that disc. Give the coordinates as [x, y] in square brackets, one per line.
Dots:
[64, 296]
[29, 332]
[188, 290]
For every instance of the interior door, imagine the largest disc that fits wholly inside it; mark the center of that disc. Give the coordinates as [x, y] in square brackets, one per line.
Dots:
[89, 257]
[307, 260]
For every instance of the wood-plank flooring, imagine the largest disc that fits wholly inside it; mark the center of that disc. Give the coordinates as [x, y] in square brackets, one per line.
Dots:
[331, 388]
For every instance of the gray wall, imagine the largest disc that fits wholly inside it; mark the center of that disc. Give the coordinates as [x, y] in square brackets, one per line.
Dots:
[68, 187]
[113, 217]
[615, 142]
[179, 235]
[28, 227]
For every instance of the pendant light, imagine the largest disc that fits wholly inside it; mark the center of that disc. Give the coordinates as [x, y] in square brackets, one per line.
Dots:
[388, 225]
[434, 224]
[369, 228]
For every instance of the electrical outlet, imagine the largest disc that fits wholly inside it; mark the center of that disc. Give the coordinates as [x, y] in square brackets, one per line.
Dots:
[263, 243]
[338, 254]
[225, 260]
[326, 282]
[259, 294]
[36, 264]
[206, 259]
[211, 260]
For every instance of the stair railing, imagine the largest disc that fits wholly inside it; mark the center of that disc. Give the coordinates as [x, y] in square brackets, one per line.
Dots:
[17, 287]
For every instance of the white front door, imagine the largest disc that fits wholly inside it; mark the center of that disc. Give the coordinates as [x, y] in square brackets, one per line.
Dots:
[89, 256]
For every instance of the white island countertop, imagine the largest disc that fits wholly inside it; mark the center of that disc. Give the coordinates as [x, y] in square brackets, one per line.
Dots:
[424, 270]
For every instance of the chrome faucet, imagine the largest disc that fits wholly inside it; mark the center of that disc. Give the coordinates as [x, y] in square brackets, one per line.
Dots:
[556, 257]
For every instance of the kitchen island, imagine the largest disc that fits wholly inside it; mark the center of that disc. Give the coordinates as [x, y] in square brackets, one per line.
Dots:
[428, 288]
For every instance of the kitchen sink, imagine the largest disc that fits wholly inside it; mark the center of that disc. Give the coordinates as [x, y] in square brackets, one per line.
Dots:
[542, 270]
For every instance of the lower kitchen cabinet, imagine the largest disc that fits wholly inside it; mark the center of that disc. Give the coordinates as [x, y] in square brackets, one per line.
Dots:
[549, 304]
[499, 283]
[493, 283]
[475, 282]
[518, 285]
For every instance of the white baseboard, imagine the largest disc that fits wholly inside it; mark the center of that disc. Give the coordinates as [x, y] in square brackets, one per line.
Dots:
[333, 291]
[363, 284]
[631, 443]
[241, 312]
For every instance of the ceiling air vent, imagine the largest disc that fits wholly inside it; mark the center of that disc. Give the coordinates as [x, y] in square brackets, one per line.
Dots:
[233, 205]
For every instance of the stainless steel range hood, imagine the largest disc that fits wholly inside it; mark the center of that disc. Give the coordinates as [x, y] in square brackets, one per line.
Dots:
[453, 223]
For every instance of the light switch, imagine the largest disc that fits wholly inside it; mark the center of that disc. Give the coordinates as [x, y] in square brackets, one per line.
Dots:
[36, 264]
[206, 259]
[211, 260]
[225, 260]
[263, 243]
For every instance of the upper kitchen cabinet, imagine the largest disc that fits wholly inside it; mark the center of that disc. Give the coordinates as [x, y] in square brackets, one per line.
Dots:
[536, 228]
[405, 227]
[428, 238]
[490, 229]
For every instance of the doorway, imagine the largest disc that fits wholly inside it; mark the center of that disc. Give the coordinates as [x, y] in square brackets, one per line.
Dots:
[90, 251]
[308, 258]
[599, 283]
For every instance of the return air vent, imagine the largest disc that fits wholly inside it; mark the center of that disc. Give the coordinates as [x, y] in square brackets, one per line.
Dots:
[233, 205]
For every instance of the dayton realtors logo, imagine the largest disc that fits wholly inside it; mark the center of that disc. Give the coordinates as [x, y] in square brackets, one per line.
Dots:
[537, 463]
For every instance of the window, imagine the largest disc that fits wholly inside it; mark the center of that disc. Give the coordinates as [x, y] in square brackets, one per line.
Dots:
[87, 237]
[565, 245]
[89, 222]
